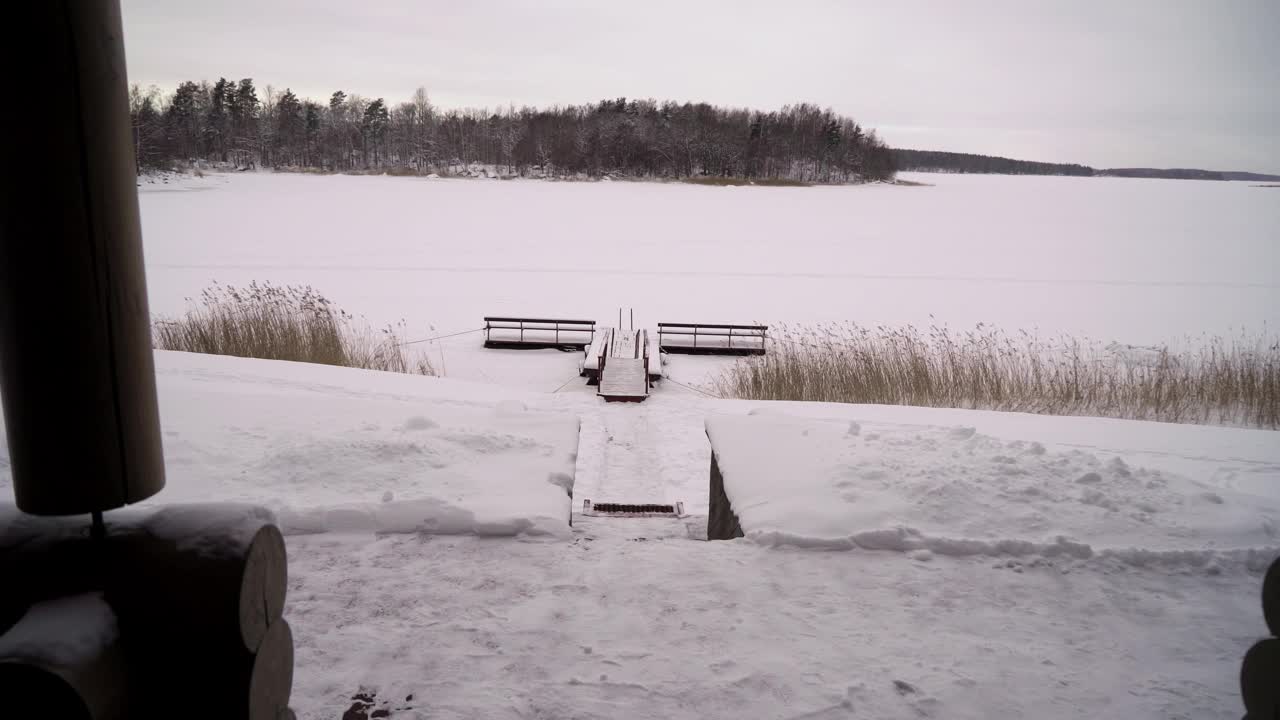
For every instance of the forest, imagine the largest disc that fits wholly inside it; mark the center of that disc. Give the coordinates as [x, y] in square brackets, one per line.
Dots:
[238, 123]
[937, 161]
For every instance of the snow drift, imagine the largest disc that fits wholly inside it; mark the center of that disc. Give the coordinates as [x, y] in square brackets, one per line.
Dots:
[335, 449]
[948, 490]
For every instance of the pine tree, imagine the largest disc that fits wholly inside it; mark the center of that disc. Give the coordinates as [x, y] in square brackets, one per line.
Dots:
[182, 121]
[217, 124]
[243, 111]
[290, 127]
[373, 127]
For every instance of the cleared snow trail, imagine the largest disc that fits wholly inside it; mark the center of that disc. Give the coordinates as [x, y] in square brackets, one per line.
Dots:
[627, 470]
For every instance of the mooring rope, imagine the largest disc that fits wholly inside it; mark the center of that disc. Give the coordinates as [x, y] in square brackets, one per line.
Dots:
[440, 337]
[704, 392]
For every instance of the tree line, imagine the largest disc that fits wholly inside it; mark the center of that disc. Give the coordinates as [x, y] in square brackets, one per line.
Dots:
[234, 122]
[937, 161]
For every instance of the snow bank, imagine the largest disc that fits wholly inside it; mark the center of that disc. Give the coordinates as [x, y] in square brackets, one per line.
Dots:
[951, 491]
[62, 632]
[336, 449]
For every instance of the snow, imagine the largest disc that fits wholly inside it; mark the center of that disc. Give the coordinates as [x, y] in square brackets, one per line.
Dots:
[209, 528]
[1134, 262]
[639, 618]
[61, 633]
[334, 449]
[389, 453]
[432, 569]
[951, 491]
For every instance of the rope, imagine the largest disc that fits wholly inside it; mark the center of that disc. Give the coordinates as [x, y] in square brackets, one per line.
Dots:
[565, 383]
[440, 337]
[693, 388]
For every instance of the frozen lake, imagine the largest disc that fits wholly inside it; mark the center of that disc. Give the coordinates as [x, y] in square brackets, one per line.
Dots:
[1135, 261]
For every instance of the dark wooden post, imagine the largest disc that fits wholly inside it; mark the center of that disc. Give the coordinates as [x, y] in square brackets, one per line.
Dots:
[1260, 671]
[76, 368]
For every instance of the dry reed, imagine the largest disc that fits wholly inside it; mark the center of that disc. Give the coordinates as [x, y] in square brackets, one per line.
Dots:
[284, 323]
[1233, 381]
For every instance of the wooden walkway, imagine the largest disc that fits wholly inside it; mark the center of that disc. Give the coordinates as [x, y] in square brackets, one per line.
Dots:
[624, 366]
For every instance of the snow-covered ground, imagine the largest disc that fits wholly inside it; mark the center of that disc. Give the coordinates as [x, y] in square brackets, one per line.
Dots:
[330, 450]
[431, 564]
[935, 490]
[376, 474]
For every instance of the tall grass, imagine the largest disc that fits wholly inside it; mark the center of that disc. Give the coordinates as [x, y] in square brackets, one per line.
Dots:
[284, 323]
[1233, 381]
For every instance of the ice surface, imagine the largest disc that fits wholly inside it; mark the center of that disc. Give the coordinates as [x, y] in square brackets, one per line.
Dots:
[1132, 261]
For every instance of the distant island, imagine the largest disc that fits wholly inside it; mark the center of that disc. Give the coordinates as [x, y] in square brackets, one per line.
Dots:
[951, 162]
[239, 125]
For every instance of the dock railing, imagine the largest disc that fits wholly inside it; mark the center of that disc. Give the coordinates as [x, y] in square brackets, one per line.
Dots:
[533, 333]
[712, 339]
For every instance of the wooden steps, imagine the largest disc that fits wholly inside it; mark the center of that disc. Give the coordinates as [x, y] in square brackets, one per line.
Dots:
[624, 367]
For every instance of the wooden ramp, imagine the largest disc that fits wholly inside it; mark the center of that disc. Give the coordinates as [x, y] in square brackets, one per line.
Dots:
[591, 359]
[623, 366]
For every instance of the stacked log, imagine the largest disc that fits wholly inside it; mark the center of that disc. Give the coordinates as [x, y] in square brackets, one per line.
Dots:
[1260, 672]
[63, 659]
[197, 593]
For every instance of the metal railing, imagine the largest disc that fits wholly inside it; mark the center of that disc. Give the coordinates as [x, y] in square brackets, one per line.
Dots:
[715, 338]
[538, 332]
[642, 340]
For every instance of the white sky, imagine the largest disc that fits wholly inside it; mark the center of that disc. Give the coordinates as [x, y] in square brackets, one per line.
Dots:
[1108, 83]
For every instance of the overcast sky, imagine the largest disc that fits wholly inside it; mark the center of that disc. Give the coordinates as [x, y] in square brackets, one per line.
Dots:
[1108, 83]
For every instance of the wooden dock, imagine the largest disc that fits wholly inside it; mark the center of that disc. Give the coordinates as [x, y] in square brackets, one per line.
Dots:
[623, 364]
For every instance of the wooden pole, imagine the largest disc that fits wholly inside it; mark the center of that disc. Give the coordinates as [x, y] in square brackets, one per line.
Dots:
[76, 371]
